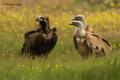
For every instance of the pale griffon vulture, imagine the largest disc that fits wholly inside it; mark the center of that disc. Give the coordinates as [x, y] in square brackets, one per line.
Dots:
[41, 41]
[88, 43]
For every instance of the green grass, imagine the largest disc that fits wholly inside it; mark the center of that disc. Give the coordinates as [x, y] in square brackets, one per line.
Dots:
[60, 67]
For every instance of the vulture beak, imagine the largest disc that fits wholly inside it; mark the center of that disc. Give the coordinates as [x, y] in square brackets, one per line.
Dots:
[37, 19]
[54, 29]
[73, 18]
[70, 24]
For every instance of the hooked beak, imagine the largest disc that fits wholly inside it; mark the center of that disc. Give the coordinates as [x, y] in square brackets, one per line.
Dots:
[70, 23]
[37, 19]
[73, 18]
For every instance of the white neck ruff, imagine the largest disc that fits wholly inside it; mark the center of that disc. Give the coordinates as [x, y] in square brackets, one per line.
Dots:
[80, 32]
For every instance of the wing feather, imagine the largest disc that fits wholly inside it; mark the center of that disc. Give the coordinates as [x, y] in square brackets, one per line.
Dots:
[32, 41]
[97, 44]
[75, 42]
[53, 41]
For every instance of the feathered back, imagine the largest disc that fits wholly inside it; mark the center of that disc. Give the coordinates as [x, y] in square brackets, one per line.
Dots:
[89, 29]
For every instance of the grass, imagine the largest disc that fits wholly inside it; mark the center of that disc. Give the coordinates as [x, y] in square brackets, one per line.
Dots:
[64, 62]
[56, 67]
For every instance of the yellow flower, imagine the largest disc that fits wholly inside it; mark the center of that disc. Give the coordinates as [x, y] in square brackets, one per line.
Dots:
[22, 65]
[3, 54]
[56, 65]
[40, 70]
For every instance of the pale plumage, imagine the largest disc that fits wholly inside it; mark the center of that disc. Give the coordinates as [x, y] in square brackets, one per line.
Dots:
[88, 43]
[82, 19]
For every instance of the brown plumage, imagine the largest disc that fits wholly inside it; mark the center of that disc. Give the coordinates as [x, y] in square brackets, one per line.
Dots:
[88, 43]
[41, 41]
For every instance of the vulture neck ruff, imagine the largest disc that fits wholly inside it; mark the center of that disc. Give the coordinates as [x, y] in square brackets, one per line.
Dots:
[80, 29]
[43, 25]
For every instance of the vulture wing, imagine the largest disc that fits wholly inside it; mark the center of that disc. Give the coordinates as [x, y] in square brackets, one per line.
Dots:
[97, 44]
[53, 41]
[31, 42]
[75, 42]
[28, 33]
[88, 29]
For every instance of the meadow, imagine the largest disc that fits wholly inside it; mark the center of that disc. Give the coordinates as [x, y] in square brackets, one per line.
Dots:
[64, 62]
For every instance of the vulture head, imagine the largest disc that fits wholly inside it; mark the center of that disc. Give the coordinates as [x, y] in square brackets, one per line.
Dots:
[43, 23]
[80, 18]
[78, 24]
[80, 28]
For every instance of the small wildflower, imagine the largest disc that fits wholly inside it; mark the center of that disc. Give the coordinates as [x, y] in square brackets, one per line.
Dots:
[40, 70]
[12, 55]
[22, 65]
[56, 65]
[18, 65]
[3, 54]
[68, 51]
[48, 66]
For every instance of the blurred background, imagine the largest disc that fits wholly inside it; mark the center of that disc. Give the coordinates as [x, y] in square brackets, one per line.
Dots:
[66, 4]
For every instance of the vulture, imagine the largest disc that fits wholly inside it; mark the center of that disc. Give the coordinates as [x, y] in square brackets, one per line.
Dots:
[88, 43]
[41, 41]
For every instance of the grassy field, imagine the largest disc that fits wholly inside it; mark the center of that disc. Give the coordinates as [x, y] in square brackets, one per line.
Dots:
[64, 62]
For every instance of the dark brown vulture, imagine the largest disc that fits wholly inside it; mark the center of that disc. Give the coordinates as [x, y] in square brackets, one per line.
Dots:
[88, 43]
[41, 41]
